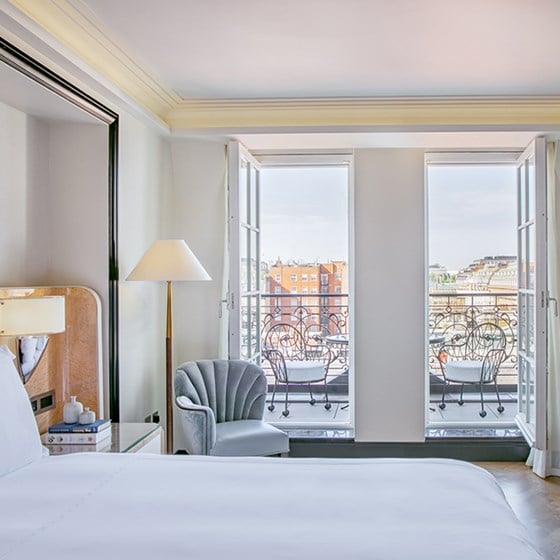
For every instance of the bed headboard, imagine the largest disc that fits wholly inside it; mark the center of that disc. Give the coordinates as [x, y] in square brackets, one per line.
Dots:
[71, 364]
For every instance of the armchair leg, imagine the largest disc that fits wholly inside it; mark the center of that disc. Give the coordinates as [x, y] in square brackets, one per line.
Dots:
[285, 412]
[461, 402]
[271, 405]
[312, 401]
[442, 403]
[482, 411]
[500, 407]
[327, 403]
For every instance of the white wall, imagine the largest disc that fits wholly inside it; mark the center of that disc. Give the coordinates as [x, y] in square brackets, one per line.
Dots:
[198, 215]
[143, 188]
[24, 172]
[389, 314]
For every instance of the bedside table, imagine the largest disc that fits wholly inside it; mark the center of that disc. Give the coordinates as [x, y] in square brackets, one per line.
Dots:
[126, 437]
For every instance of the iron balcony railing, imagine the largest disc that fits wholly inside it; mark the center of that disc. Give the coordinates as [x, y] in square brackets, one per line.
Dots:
[320, 315]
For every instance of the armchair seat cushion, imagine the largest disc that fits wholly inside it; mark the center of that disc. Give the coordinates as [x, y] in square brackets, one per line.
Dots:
[248, 438]
[305, 371]
[463, 371]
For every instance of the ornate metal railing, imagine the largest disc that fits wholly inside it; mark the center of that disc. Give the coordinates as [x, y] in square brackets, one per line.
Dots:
[453, 314]
[316, 316]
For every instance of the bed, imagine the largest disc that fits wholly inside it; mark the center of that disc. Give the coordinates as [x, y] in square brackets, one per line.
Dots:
[95, 505]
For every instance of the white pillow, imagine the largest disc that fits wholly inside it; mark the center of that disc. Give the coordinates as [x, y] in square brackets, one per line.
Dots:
[20, 443]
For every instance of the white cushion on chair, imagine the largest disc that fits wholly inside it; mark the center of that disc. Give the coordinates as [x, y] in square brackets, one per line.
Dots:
[305, 371]
[240, 438]
[463, 371]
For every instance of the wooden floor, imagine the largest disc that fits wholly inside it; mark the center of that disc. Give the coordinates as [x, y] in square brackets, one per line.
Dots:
[535, 501]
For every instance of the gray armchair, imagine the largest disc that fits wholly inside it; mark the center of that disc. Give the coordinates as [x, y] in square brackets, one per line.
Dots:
[220, 406]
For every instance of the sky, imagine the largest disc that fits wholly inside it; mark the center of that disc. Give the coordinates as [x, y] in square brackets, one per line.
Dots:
[472, 213]
[304, 213]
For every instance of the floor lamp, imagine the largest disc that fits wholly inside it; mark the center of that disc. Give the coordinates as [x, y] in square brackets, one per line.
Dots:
[169, 260]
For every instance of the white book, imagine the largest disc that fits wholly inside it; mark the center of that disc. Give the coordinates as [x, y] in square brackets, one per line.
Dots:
[64, 449]
[79, 438]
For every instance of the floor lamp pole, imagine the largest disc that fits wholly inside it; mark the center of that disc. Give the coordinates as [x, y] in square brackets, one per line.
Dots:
[169, 370]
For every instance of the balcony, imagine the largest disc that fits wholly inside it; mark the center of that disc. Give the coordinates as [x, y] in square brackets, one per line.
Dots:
[320, 316]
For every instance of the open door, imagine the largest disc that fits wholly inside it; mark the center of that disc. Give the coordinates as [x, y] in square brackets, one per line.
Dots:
[244, 293]
[532, 294]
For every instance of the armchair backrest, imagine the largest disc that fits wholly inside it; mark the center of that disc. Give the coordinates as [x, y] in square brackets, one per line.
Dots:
[473, 343]
[233, 389]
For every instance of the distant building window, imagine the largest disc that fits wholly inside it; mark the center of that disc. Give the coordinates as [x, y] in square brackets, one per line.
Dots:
[278, 289]
[293, 290]
[293, 277]
[338, 302]
[324, 278]
[337, 289]
[293, 302]
[338, 276]
[304, 277]
[277, 277]
[304, 289]
[313, 290]
[313, 278]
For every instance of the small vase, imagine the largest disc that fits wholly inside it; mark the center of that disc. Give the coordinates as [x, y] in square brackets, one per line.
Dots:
[72, 411]
[87, 416]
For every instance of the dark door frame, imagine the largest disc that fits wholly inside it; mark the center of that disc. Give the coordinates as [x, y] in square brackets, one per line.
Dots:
[23, 63]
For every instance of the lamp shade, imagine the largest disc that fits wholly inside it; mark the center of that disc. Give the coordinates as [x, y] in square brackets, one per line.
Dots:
[169, 260]
[32, 316]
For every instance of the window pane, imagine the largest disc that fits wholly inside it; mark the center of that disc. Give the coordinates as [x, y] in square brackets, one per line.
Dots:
[531, 256]
[254, 261]
[522, 194]
[243, 192]
[254, 197]
[531, 188]
[244, 258]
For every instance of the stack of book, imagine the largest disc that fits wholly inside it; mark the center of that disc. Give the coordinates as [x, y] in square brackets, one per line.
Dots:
[72, 438]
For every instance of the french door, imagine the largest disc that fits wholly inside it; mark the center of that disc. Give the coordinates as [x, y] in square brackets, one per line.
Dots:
[532, 294]
[244, 291]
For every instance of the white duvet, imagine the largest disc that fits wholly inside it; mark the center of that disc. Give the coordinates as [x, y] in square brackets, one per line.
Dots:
[108, 506]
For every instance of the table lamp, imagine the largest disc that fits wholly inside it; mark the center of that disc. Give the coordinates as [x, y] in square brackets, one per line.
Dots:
[169, 260]
[31, 320]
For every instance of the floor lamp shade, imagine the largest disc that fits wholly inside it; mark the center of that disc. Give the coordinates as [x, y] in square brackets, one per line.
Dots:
[169, 260]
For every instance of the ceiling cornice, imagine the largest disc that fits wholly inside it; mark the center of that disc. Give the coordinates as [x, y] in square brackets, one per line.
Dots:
[73, 24]
[367, 112]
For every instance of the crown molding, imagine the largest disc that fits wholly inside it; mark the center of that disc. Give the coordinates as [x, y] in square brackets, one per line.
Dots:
[365, 112]
[71, 23]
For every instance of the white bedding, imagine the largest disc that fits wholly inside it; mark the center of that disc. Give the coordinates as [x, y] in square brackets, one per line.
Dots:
[105, 506]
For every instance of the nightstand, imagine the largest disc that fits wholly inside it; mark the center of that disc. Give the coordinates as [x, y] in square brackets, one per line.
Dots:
[126, 437]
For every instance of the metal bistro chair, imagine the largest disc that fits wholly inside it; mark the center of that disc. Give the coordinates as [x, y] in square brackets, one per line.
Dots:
[475, 360]
[295, 361]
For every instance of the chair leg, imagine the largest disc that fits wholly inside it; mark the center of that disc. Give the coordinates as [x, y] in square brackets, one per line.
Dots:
[500, 407]
[461, 402]
[482, 411]
[312, 401]
[442, 403]
[285, 412]
[327, 403]
[271, 405]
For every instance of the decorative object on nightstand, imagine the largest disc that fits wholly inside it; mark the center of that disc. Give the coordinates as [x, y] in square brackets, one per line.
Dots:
[30, 320]
[169, 260]
[72, 410]
[86, 417]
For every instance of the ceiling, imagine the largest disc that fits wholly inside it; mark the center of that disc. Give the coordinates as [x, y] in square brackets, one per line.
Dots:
[243, 49]
[351, 73]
